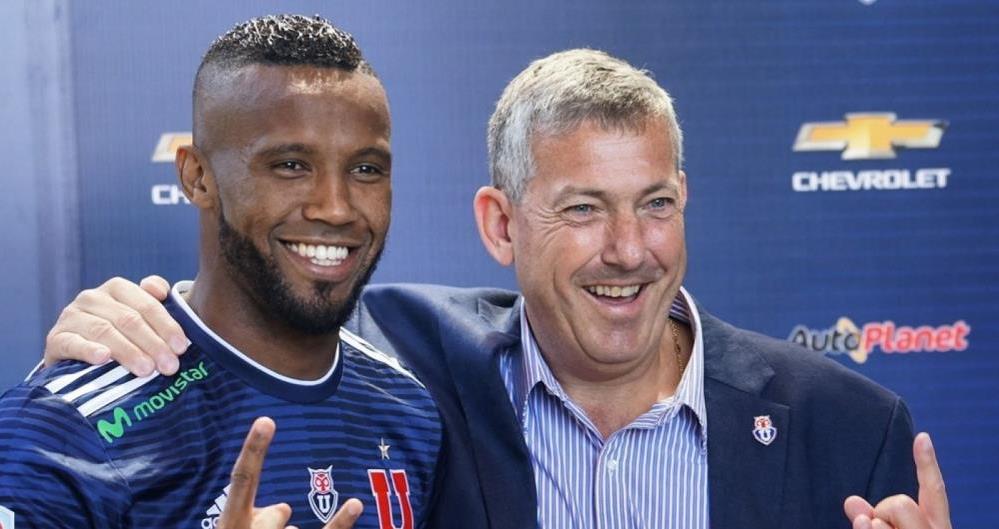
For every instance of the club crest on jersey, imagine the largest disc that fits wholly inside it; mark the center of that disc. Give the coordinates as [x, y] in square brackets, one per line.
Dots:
[323, 497]
[763, 430]
[383, 503]
[6, 518]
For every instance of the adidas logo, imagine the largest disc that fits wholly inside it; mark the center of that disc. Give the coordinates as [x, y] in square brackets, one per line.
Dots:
[211, 519]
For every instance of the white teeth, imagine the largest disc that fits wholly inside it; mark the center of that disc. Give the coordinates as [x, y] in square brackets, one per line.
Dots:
[323, 262]
[614, 291]
[319, 254]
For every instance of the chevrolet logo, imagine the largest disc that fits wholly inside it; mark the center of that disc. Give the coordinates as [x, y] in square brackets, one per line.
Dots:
[166, 148]
[869, 135]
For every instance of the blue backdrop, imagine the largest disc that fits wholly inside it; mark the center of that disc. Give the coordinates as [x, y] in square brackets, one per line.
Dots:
[886, 264]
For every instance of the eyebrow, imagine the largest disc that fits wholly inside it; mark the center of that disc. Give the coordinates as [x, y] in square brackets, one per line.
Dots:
[301, 148]
[286, 148]
[384, 154]
[570, 191]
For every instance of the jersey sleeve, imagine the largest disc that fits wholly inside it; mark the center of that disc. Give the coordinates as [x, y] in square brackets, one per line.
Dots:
[54, 473]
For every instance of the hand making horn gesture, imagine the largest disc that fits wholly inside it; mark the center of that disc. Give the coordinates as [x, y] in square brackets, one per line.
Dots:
[240, 512]
[901, 511]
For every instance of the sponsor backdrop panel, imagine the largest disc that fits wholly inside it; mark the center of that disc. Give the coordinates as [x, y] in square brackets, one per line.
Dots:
[840, 156]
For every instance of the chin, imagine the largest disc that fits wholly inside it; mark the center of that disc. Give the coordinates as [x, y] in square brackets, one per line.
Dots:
[616, 352]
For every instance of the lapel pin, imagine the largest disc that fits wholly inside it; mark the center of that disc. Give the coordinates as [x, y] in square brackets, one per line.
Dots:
[763, 430]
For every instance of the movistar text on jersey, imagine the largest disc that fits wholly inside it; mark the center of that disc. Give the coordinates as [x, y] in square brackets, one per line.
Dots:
[870, 179]
[121, 419]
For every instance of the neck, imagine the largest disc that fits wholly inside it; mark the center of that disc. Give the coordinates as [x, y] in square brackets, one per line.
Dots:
[613, 400]
[230, 312]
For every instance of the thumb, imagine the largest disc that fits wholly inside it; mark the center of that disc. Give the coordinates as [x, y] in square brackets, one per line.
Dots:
[271, 517]
[855, 506]
[349, 512]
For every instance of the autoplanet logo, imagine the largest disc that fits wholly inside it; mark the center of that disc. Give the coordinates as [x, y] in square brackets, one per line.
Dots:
[122, 420]
[859, 343]
[869, 136]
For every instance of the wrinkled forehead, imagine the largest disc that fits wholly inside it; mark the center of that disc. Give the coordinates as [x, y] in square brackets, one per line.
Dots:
[610, 157]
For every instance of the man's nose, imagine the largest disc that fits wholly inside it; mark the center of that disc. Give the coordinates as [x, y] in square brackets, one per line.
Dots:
[624, 246]
[329, 200]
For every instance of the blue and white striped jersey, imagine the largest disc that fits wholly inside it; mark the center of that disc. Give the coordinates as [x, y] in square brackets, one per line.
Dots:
[84, 446]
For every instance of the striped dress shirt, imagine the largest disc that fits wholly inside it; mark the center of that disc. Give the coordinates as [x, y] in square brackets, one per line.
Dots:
[651, 474]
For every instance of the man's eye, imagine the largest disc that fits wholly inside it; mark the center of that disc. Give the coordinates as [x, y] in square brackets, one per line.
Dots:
[661, 204]
[367, 171]
[290, 166]
[580, 210]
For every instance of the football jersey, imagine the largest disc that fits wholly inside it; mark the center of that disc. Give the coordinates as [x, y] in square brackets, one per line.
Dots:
[94, 446]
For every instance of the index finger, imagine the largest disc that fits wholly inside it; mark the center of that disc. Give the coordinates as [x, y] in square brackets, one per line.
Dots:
[246, 472]
[932, 493]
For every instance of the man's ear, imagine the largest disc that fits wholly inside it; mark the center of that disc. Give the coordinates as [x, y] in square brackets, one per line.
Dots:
[493, 215]
[196, 179]
[683, 189]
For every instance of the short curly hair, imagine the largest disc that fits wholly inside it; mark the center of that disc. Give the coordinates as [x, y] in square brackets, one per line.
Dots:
[286, 40]
[281, 40]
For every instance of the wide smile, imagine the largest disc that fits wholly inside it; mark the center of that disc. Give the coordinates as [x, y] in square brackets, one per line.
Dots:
[322, 261]
[620, 300]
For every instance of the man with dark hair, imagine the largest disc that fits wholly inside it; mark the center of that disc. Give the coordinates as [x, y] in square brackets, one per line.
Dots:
[290, 171]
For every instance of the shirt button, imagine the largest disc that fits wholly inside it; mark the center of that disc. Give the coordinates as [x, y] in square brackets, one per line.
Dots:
[612, 465]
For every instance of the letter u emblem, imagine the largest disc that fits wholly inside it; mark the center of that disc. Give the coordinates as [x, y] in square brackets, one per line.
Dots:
[380, 488]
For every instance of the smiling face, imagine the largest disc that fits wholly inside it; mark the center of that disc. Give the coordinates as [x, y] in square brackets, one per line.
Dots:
[300, 161]
[598, 245]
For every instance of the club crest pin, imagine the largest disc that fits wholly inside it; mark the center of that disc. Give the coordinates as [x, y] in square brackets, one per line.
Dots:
[763, 430]
[323, 497]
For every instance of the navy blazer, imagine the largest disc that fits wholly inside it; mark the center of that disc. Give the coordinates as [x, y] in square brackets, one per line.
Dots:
[838, 433]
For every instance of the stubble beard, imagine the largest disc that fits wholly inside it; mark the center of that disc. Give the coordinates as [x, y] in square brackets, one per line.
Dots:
[264, 283]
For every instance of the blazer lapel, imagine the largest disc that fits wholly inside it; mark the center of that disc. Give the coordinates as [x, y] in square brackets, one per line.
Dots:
[472, 345]
[745, 472]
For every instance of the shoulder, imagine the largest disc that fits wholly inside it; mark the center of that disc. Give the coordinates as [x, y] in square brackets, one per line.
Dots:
[800, 377]
[843, 430]
[363, 353]
[49, 447]
[373, 381]
[412, 296]
[412, 317]
[111, 400]
[43, 425]
[83, 387]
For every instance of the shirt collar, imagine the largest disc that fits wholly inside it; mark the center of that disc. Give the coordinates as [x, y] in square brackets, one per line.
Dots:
[245, 367]
[534, 369]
